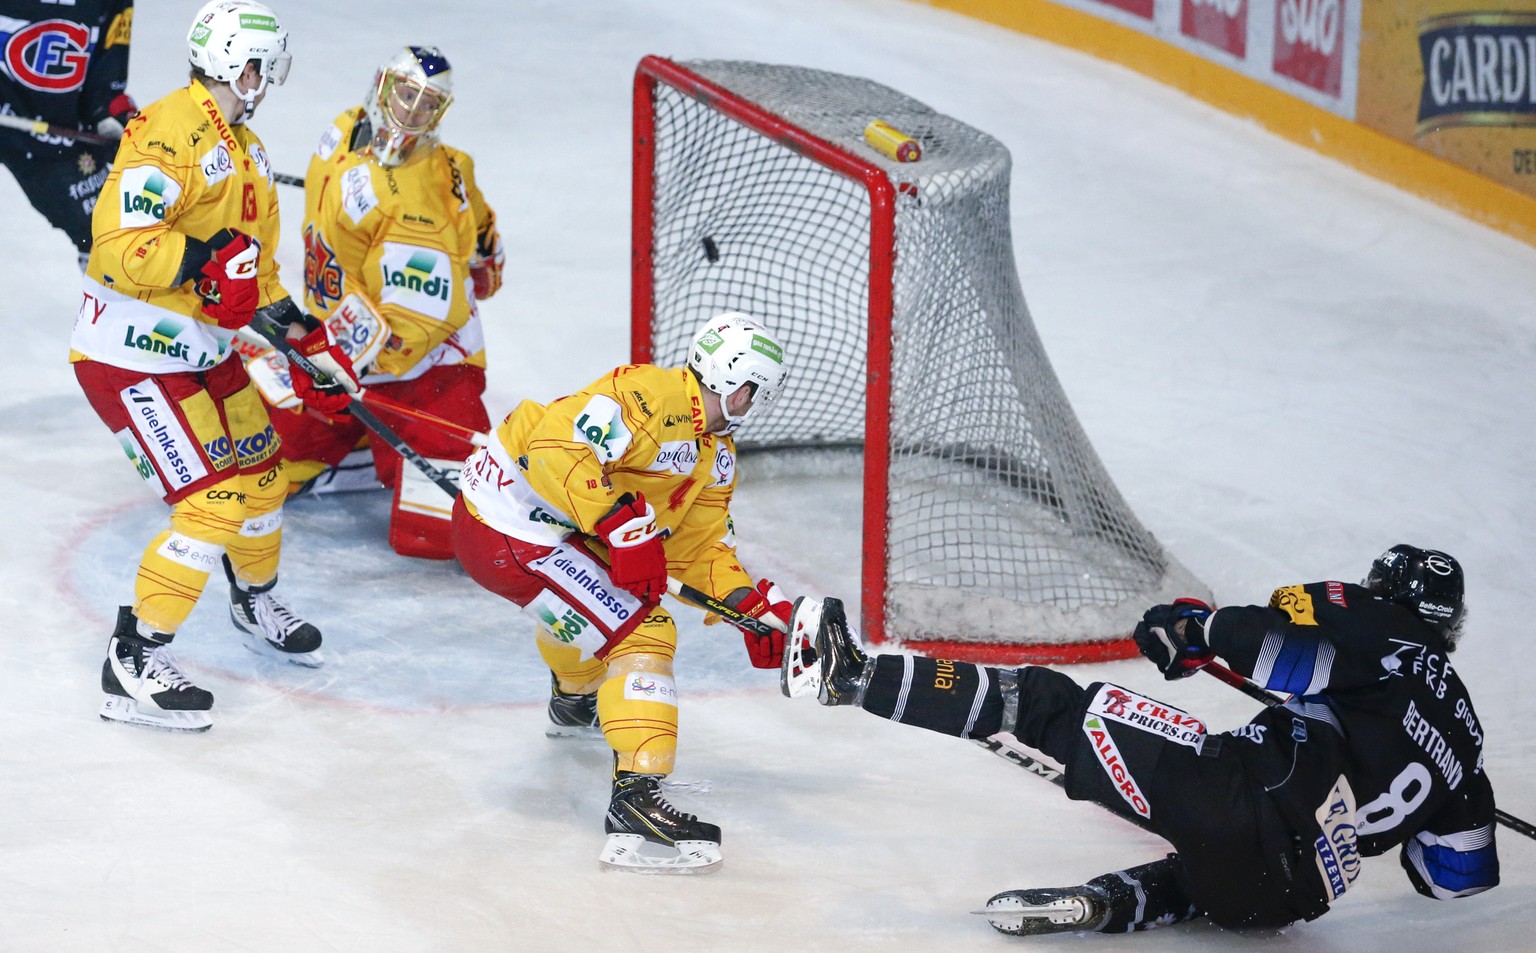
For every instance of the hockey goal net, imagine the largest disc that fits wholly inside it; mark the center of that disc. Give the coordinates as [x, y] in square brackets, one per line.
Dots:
[991, 531]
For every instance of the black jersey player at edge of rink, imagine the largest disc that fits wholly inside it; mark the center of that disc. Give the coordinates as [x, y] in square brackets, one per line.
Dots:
[1377, 748]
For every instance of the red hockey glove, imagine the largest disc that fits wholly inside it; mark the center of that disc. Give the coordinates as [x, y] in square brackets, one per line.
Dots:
[120, 111]
[331, 397]
[1173, 637]
[485, 267]
[228, 278]
[637, 563]
[768, 603]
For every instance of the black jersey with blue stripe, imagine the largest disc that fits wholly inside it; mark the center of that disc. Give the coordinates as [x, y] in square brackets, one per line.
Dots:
[1379, 745]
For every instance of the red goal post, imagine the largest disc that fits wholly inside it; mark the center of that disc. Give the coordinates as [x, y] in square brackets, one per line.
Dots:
[755, 190]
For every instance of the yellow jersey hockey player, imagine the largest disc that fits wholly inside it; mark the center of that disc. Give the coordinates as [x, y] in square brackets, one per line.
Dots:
[399, 246]
[183, 258]
[578, 511]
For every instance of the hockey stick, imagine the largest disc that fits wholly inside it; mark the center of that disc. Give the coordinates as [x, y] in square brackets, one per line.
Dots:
[39, 127]
[704, 600]
[1256, 691]
[469, 434]
[274, 333]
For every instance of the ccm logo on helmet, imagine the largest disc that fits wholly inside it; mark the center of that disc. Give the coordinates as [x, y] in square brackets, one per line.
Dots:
[50, 56]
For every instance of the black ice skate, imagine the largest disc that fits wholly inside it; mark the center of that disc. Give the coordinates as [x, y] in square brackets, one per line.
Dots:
[647, 835]
[270, 627]
[1048, 910]
[571, 715]
[845, 669]
[143, 684]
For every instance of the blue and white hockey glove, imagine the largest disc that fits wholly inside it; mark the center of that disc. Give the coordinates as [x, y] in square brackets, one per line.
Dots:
[1173, 637]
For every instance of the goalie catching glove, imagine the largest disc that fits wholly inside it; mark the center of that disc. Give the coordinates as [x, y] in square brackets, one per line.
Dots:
[768, 603]
[637, 563]
[1173, 637]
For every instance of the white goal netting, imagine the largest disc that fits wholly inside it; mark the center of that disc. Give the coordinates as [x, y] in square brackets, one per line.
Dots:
[893, 287]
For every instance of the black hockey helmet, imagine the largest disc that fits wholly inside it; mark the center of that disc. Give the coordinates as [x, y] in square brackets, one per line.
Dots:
[1425, 580]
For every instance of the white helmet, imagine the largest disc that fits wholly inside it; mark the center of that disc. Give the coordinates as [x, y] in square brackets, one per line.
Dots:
[732, 350]
[409, 96]
[227, 34]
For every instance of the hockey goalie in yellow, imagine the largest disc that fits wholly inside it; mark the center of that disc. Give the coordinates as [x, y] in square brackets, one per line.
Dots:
[580, 510]
[397, 231]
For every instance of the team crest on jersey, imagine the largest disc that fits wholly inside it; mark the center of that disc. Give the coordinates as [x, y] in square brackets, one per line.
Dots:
[86, 163]
[322, 276]
[357, 195]
[601, 425]
[417, 278]
[217, 164]
[144, 195]
[49, 56]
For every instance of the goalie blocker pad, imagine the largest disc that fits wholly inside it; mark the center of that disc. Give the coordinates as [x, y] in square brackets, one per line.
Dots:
[355, 325]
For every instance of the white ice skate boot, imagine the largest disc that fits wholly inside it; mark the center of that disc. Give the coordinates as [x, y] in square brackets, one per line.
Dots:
[143, 684]
[271, 628]
[646, 835]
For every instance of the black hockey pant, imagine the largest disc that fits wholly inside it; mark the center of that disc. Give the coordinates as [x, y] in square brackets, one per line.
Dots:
[1237, 860]
[62, 183]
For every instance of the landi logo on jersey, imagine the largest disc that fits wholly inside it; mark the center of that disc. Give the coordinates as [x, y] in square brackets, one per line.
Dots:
[565, 627]
[161, 339]
[1309, 42]
[49, 56]
[417, 278]
[1479, 70]
[146, 195]
[601, 425]
[1219, 23]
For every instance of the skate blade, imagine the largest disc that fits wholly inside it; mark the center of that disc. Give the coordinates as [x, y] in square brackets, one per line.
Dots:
[633, 854]
[579, 732]
[799, 673]
[259, 645]
[1014, 917]
[126, 711]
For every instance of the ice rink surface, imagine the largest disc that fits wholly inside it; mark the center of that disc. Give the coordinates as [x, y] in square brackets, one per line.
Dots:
[1286, 367]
